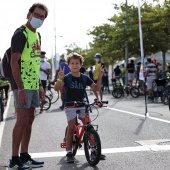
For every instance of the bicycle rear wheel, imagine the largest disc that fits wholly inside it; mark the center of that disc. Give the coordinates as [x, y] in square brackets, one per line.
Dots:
[55, 95]
[75, 143]
[92, 146]
[117, 93]
[134, 92]
[49, 94]
[47, 103]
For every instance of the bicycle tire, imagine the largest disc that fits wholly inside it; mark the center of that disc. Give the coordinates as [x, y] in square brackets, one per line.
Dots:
[47, 103]
[49, 94]
[134, 92]
[117, 93]
[165, 95]
[164, 99]
[55, 95]
[95, 158]
[75, 143]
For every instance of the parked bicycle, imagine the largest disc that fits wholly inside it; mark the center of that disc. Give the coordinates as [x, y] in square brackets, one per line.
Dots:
[117, 91]
[132, 90]
[86, 133]
[46, 104]
[51, 93]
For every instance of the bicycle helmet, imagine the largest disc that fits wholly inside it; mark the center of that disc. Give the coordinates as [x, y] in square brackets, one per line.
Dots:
[98, 55]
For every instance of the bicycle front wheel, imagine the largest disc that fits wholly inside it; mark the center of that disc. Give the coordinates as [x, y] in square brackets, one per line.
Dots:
[134, 92]
[55, 95]
[117, 92]
[47, 103]
[92, 146]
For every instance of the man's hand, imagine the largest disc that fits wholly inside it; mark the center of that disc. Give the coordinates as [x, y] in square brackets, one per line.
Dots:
[22, 97]
[42, 94]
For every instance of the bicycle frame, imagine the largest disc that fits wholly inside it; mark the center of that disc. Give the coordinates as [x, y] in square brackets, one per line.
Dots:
[80, 128]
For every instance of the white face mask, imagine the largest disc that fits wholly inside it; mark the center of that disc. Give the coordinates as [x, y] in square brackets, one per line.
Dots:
[97, 59]
[36, 23]
[42, 59]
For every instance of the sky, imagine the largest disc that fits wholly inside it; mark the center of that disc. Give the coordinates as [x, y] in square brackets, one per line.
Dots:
[71, 18]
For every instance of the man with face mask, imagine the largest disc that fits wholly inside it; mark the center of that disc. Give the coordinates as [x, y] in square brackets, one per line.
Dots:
[26, 85]
[99, 63]
[45, 69]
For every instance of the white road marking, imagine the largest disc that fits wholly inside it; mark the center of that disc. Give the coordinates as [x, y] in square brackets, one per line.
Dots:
[2, 124]
[140, 115]
[106, 151]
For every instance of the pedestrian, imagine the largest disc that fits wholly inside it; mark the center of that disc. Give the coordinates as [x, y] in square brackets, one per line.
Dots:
[131, 71]
[83, 70]
[105, 81]
[137, 71]
[26, 85]
[123, 74]
[45, 70]
[117, 71]
[99, 63]
[75, 93]
[150, 75]
[91, 76]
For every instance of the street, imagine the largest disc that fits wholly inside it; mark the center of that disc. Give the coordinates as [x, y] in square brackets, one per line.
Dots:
[129, 140]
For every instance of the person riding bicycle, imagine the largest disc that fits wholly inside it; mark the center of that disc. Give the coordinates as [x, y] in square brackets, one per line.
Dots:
[75, 93]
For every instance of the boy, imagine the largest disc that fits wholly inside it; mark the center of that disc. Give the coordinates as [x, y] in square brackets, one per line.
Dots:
[75, 62]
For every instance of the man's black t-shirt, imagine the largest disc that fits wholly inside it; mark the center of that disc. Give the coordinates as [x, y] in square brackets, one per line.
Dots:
[91, 74]
[82, 70]
[76, 89]
[131, 68]
[17, 45]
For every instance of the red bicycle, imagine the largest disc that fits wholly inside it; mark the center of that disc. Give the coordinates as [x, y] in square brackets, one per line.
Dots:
[86, 133]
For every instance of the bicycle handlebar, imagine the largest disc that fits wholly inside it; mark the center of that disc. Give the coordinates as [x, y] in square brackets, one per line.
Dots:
[82, 104]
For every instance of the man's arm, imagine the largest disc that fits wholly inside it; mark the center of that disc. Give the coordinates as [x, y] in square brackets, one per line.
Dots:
[16, 69]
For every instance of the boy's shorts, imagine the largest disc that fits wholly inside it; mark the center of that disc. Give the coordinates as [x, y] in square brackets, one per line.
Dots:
[71, 113]
[32, 99]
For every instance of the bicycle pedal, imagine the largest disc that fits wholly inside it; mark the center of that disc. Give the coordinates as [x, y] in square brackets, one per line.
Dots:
[80, 146]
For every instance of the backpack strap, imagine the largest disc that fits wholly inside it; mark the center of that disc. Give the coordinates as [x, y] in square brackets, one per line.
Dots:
[39, 37]
[68, 80]
[84, 81]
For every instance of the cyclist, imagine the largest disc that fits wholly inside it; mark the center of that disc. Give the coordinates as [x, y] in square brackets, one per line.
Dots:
[75, 62]
[99, 63]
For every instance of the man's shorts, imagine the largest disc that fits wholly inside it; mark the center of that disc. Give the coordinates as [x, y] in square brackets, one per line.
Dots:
[149, 82]
[131, 76]
[32, 99]
[71, 113]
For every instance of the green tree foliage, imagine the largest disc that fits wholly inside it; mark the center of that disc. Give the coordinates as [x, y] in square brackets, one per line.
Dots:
[111, 39]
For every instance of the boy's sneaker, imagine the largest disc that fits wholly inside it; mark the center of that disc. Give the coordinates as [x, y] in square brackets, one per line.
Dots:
[18, 165]
[70, 157]
[30, 162]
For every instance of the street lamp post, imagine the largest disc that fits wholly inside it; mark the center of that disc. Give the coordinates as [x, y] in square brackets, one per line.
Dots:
[126, 48]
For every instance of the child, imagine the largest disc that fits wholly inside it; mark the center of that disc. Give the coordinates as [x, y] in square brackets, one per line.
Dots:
[75, 62]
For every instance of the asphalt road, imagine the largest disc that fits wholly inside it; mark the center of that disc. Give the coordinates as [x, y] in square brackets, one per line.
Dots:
[130, 140]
